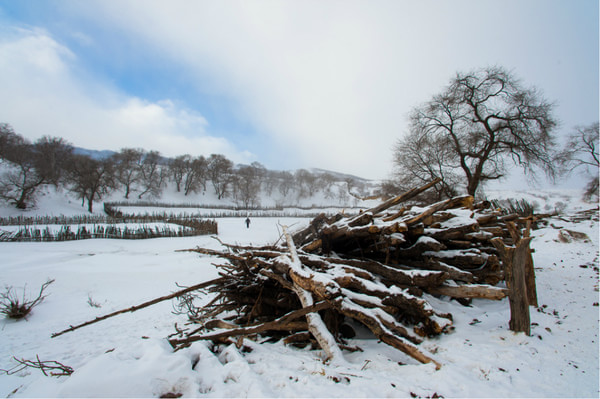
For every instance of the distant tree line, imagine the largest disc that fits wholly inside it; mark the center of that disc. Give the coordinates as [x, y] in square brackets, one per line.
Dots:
[51, 161]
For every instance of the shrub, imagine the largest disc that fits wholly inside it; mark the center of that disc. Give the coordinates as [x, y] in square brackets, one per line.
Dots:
[15, 306]
[521, 207]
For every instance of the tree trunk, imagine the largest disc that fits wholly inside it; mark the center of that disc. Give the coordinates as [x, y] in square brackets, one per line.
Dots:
[514, 260]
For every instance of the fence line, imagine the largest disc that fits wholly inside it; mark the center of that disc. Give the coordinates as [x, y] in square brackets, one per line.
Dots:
[65, 233]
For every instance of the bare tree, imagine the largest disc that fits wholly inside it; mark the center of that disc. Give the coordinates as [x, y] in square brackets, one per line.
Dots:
[90, 178]
[286, 182]
[127, 163]
[420, 158]
[196, 175]
[388, 189]
[220, 173]
[305, 182]
[178, 168]
[30, 166]
[581, 152]
[484, 118]
[247, 184]
[8, 140]
[151, 174]
[21, 178]
[51, 157]
[326, 183]
[270, 181]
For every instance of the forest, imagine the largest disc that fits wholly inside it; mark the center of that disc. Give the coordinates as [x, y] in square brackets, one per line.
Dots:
[142, 175]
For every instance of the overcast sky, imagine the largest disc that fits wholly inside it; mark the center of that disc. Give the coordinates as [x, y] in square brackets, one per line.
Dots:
[300, 84]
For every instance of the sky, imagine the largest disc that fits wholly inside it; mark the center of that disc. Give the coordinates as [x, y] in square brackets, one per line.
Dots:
[289, 84]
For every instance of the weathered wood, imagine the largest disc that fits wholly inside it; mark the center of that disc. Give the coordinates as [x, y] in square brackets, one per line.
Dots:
[395, 275]
[316, 326]
[404, 197]
[482, 291]
[514, 259]
[284, 323]
[395, 216]
[453, 233]
[309, 233]
[464, 201]
[416, 250]
[374, 324]
[453, 272]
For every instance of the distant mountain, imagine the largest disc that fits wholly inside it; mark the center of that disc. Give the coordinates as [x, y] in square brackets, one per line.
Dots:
[94, 154]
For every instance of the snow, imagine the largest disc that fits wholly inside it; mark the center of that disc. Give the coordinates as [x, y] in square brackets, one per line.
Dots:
[128, 356]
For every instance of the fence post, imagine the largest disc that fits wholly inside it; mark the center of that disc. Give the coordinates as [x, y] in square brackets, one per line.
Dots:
[515, 260]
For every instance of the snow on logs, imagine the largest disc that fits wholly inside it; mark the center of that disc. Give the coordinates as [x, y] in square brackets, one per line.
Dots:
[378, 269]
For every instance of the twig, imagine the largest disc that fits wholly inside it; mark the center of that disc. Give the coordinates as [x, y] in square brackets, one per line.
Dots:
[43, 366]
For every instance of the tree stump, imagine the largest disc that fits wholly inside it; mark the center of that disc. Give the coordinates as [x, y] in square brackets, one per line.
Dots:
[515, 260]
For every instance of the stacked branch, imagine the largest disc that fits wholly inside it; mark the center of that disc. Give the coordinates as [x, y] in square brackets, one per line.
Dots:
[377, 269]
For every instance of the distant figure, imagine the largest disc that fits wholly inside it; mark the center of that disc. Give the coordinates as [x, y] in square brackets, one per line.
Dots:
[247, 222]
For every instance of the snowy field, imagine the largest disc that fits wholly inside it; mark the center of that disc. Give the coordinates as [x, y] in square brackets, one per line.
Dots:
[128, 356]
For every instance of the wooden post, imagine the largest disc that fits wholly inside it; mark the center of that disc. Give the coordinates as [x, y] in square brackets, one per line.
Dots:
[530, 273]
[515, 259]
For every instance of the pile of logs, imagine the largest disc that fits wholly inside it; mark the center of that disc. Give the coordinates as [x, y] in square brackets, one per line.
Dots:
[378, 269]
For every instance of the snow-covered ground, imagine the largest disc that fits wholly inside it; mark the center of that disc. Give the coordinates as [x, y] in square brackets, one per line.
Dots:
[128, 356]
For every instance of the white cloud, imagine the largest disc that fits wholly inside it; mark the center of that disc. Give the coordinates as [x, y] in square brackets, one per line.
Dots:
[43, 93]
[329, 84]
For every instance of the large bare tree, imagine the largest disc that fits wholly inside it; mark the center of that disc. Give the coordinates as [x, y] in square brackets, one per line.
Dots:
[482, 119]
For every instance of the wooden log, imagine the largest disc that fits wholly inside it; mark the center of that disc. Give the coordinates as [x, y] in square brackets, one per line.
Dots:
[454, 273]
[404, 197]
[456, 202]
[481, 291]
[316, 326]
[374, 324]
[514, 260]
[141, 306]
[528, 267]
[416, 250]
[313, 246]
[530, 281]
[395, 275]
[396, 215]
[452, 233]
[465, 259]
[284, 323]
[311, 232]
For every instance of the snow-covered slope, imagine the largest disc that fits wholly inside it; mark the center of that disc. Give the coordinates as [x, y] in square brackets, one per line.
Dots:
[128, 356]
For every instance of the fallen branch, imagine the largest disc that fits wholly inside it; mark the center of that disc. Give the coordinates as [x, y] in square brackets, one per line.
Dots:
[46, 367]
[316, 326]
[141, 306]
[282, 323]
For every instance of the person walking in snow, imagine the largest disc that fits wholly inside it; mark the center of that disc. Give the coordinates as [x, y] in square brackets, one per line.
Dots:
[248, 222]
